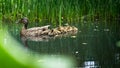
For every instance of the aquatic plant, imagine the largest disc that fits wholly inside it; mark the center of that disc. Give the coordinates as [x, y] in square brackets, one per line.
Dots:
[56, 12]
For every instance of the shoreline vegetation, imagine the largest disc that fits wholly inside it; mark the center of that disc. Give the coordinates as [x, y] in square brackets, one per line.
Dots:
[57, 12]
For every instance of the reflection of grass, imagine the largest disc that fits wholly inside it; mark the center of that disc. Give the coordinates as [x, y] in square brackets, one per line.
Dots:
[118, 44]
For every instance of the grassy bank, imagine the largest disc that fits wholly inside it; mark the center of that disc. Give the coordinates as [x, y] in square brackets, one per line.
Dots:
[59, 11]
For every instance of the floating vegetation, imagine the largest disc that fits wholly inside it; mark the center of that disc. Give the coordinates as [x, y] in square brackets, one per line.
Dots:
[106, 29]
[96, 29]
[73, 36]
[84, 43]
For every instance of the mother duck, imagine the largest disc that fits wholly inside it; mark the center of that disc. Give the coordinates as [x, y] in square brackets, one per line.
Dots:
[35, 31]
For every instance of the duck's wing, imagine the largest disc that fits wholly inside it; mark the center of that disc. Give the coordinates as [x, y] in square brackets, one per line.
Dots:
[39, 28]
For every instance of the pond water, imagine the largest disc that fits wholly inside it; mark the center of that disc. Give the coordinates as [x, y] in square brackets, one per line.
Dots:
[94, 46]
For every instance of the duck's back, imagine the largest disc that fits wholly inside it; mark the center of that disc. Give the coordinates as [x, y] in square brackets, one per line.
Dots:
[35, 31]
[39, 28]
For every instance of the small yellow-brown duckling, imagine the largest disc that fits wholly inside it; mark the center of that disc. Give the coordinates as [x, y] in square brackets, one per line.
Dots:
[54, 32]
[65, 29]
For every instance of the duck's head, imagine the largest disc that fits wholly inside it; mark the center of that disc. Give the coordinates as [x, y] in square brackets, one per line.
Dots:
[24, 20]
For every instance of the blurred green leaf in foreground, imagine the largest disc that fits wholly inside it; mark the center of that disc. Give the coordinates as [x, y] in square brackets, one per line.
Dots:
[13, 55]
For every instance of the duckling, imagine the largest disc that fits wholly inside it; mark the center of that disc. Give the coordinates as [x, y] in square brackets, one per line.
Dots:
[65, 29]
[74, 28]
[35, 31]
[61, 29]
[68, 28]
[54, 32]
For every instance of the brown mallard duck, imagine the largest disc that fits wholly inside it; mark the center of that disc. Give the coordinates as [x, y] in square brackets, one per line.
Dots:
[35, 31]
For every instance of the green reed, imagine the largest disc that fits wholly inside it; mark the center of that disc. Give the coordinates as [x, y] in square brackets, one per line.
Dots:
[58, 11]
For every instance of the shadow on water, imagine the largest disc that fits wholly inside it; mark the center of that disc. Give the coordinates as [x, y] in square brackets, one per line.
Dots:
[94, 46]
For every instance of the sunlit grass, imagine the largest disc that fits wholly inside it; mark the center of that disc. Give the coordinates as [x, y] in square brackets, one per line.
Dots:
[52, 10]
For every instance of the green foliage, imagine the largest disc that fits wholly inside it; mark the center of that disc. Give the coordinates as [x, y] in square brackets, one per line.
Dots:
[12, 55]
[56, 11]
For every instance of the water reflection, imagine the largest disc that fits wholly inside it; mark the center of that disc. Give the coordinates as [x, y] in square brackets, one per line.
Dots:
[94, 46]
[91, 64]
[45, 38]
[117, 58]
[38, 38]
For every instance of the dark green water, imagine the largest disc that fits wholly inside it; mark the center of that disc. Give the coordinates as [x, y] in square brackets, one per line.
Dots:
[94, 46]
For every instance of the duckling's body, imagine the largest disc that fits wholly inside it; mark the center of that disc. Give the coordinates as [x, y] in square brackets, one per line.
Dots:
[63, 30]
